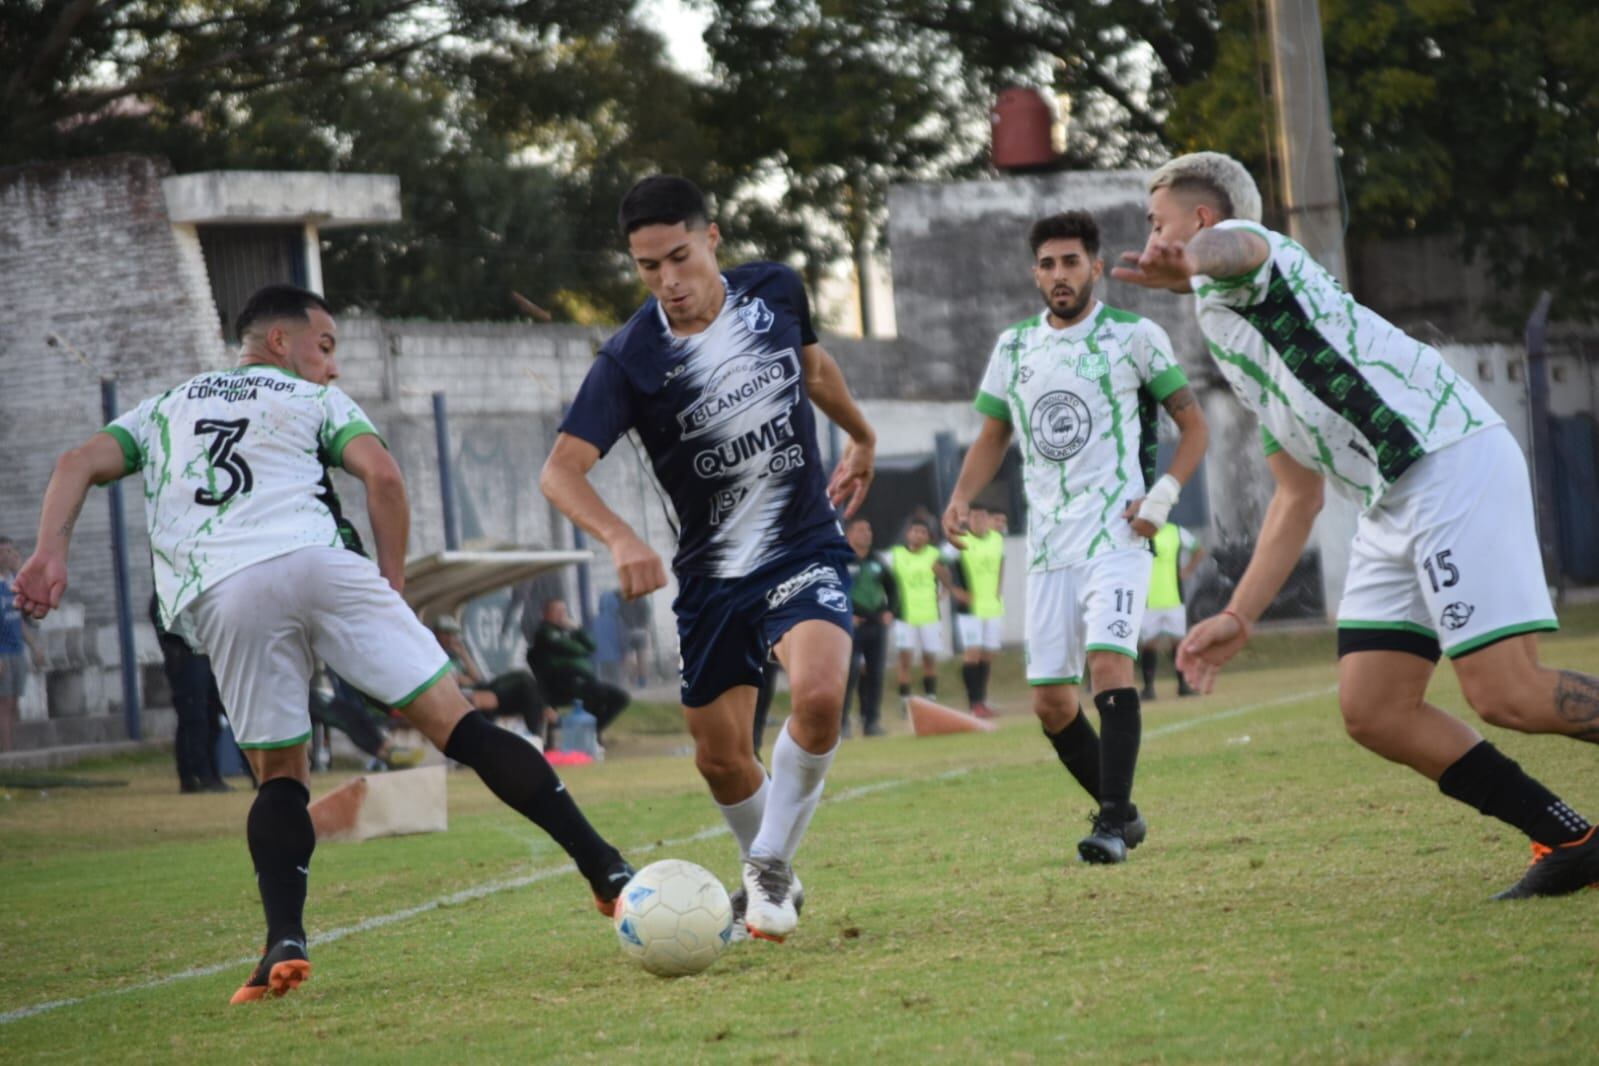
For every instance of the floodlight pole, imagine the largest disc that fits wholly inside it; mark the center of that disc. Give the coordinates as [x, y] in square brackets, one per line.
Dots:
[119, 564]
[441, 436]
[1543, 465]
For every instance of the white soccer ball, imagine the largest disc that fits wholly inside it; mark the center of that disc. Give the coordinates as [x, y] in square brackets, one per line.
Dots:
[674, 918]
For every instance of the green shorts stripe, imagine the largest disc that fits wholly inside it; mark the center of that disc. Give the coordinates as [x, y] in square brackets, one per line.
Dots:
[1133, 655]
[1039, 682]
[274, 744]
[1405, 627]
[411, 697]
[1494, 635]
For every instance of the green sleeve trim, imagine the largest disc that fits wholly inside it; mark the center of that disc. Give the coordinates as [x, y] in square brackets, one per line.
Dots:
[273, 745]
[343, 437]
[1404, 627]
[1167, 382]
[132, 457]
[412, 696]
[992, 406]
[1268, 443]
[1118, 649]
[1493, 636]
[1040, 682]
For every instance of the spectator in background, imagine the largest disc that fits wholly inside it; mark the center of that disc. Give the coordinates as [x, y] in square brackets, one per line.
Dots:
[1178, 554]
[515, 692]
[874, 599]
[636, 634]
[17, 644]
[562, 659]
[919, 570]
[198, 706]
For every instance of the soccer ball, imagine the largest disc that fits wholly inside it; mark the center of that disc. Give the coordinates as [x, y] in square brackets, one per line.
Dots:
[674, 918]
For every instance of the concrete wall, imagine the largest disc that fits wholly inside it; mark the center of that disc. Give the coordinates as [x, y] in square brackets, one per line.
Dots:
[89, 258]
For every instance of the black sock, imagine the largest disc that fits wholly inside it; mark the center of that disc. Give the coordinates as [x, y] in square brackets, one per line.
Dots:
[517, 773]
[984, 668]
[930, 684]
[1078, 748]
[1149, 662]
[971, 674]
[1496, 785]
[1182, 682]
[281, 839]
[1122, 726]
[904, 689]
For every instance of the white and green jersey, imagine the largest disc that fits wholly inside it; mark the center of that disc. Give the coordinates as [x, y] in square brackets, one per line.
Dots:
[1335, 385]
[235, 471]
[1083, 401]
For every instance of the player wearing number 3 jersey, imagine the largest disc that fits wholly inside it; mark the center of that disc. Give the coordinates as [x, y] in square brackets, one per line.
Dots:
[1445, 559]
[251, 565]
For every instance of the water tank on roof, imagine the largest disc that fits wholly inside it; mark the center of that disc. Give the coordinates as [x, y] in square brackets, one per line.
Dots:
[1021, 124]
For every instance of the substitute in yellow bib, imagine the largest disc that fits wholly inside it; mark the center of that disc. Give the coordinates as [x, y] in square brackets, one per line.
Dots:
[980, 618]
[1177, 554]
[918, 572]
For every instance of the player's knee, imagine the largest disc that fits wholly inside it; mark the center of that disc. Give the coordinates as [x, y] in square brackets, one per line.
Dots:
[1110, 669]
[1363, 721]
[816, 697]
[722, 767]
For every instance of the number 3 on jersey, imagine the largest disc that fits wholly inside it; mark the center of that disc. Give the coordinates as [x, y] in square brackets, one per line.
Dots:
[228, 435]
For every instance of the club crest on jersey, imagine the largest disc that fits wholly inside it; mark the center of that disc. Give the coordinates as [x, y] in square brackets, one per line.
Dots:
[735, 385]
[1457, 615]
[783, 591]
[1061, 425]
[1091, 366]
[757, 317]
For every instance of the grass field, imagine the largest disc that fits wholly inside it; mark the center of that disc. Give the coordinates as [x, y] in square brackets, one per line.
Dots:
[1298, 900]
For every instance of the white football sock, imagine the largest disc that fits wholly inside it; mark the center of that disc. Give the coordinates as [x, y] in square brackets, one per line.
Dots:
[744, 817]
[797, 780]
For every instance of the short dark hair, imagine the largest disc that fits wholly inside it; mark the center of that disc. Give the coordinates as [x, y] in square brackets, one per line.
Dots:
[853, 522]
[278, 301]
[662, 200]
[924, 523]
[1065, 226]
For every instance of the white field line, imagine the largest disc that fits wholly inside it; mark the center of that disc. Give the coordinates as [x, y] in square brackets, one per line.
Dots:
[489, 888]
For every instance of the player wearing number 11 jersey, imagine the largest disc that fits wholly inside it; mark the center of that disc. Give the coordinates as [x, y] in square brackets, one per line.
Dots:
[250, 564]
[1076, 387]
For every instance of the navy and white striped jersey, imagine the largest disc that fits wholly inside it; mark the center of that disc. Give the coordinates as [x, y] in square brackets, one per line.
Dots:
[726, 421]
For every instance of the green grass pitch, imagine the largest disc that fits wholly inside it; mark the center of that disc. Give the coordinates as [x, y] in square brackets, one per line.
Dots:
[1298, 900]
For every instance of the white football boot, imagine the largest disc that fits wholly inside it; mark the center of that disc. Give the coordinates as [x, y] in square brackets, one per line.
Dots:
[769, 889]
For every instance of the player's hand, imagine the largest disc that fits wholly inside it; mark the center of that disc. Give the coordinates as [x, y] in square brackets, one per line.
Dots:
[1161, 265]
[1207, 648]
[957, 523]
[40, 584]
[1140, 526]
[638, 568]
[848, 485]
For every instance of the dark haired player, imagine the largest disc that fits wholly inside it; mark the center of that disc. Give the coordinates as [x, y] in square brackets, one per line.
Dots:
[1077, 386]
[717, 373]
[1445, 559]
[251, 566]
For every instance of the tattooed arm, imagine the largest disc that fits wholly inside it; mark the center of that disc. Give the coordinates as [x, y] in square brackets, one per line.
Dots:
[43, 578]
[1226, 253]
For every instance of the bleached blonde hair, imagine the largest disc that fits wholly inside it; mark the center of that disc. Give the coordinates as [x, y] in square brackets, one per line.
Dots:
[1220, 175]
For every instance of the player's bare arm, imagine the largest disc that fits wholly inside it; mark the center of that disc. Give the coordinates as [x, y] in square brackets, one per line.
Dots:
[1289, 518]
[825, 384]
[983, 460]
[1148, 514]
[43, 578]
[1165, 264]
[387, 508]
[564, 482]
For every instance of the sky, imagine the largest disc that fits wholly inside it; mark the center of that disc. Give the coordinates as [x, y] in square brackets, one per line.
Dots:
[682, 27]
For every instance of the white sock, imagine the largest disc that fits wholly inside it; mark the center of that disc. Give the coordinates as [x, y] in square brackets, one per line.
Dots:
[797, 780]
[744, 817]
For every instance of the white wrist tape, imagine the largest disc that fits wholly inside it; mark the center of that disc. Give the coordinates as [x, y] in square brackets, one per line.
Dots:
[1161, 499]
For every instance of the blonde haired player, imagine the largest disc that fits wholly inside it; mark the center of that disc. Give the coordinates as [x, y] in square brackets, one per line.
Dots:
[1445, 559]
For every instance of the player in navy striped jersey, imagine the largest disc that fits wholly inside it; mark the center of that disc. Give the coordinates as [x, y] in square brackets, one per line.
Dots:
[717, 373]
[1445, 559]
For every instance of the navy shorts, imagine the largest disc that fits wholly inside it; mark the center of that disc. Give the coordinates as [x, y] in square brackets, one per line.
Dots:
[727, 627]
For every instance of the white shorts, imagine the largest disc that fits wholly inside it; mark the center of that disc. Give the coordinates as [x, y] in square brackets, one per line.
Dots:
[927, 638]
[1095, 605]
[266, 625]
[1451, 551]
[1163, 622]
[979, 633]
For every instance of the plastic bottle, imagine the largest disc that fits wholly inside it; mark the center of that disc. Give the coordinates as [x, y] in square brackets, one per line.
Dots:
[578, 731]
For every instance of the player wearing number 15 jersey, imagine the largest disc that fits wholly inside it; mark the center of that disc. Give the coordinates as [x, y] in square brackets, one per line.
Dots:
[250, 563]
[1445, 559]
[1077, 388]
